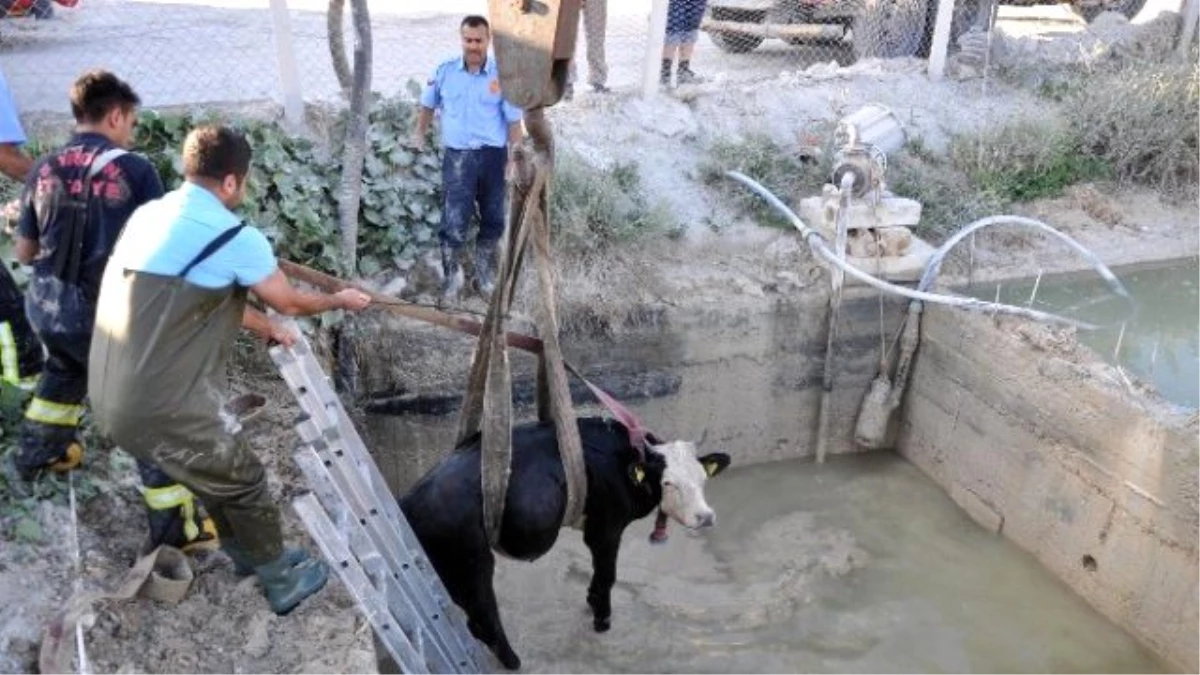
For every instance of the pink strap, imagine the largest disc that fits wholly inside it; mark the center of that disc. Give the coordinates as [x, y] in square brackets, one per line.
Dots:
[637, 433]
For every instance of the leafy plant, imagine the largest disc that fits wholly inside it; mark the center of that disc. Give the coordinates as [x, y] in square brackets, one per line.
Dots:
[291, 196]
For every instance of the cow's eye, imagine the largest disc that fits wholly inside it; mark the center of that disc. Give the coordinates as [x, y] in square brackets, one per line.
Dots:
[667, 483]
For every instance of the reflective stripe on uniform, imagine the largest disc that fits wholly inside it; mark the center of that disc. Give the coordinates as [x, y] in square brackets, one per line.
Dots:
[10, 369]
[172, 496]
[10, 360]
[49, 412]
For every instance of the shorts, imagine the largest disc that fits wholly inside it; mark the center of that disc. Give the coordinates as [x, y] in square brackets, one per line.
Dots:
[683, 20]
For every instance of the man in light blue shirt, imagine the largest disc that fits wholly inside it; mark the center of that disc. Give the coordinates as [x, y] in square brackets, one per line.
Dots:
[480, 131]
[173, 297]
[13, 163]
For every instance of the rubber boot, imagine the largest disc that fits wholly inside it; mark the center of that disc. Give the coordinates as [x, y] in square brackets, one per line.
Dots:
[244, 568]
[485, 267]
[286, 584]
[452, 282]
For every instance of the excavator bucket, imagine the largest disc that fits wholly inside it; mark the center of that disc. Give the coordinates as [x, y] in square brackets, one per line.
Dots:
[534, 41]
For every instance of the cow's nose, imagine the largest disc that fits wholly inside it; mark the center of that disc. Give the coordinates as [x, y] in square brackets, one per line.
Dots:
[706, 519]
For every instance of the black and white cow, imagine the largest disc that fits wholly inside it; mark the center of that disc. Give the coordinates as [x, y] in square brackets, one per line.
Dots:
[445, 510]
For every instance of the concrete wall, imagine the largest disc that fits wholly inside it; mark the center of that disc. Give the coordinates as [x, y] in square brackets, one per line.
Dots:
[746, 379]
[1039, 442]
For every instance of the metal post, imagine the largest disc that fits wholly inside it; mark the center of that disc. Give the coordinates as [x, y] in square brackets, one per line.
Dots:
[654, 47]
[289, 74]
[1187, 31]
[941, 39]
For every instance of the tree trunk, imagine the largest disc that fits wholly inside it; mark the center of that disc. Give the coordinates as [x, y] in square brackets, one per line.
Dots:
[350, 190]
[337, 44]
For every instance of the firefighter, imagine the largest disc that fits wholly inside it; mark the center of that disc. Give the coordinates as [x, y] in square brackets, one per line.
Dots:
[20, 352]
[171, 303]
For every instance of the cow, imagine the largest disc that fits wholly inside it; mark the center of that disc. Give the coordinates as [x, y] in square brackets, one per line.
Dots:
[445, 510]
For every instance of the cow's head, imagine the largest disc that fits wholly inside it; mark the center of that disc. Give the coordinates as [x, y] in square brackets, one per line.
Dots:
[681, 478]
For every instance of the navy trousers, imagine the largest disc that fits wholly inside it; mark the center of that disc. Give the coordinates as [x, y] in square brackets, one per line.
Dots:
[473, 179]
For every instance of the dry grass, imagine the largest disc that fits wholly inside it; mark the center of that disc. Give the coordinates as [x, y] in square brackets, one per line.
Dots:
[1143, 120]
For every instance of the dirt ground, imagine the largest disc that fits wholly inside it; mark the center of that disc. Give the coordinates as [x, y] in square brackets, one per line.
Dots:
[224, 625]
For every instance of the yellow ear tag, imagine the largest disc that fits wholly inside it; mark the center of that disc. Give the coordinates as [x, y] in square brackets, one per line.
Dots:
[638, 475]
[710, 468]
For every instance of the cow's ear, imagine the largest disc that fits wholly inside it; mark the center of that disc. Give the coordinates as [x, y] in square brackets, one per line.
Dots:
[714, 463]
[637, 473]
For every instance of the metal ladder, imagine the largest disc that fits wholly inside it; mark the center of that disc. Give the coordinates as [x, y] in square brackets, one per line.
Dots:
[354, 519]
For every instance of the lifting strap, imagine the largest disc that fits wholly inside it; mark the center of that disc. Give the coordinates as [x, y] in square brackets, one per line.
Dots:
[487, 405]
[638, 435]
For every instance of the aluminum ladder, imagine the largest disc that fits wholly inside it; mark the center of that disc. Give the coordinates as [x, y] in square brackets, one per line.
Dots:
[354, 519]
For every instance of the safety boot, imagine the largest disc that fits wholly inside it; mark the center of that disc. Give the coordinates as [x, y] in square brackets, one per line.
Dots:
[485, 266]
[286, 584]
[72, 457]
[241, 562]
[175, 520]
[452, 281]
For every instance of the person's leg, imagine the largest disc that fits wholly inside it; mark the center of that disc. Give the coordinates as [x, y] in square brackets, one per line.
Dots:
[21, 358]
[668, 57]
[458, 188]
[684, 71]
[172, 513]
[595, 23]
[49, 436]
[199, 454]
[493, 193]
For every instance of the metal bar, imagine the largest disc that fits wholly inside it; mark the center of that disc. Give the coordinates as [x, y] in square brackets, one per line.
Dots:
[784, 31]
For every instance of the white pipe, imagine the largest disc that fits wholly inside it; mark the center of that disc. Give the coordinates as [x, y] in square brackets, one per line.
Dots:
[820, 247]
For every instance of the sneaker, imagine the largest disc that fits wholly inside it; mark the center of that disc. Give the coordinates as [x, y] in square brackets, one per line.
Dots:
[600, 89]
[687, 76]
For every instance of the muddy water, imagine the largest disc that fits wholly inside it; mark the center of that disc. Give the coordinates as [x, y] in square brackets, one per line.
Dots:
[860, 565]
[1161, 345]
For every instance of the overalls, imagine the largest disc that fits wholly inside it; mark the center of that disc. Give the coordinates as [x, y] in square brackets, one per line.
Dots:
[156, 387]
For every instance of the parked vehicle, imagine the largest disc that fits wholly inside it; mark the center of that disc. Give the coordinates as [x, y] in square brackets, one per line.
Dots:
[874, 28]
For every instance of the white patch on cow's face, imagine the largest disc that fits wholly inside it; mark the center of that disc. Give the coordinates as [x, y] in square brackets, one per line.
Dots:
[683, 485]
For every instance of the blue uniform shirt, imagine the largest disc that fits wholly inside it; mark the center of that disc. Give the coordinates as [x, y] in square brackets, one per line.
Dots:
[474, 113]
[10, 124]
[165, 235]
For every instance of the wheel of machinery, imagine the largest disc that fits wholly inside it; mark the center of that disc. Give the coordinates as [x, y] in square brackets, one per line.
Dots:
[889, 29]
[736, 43]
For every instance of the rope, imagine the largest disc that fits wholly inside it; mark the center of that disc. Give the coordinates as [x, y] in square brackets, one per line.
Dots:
[78, 583]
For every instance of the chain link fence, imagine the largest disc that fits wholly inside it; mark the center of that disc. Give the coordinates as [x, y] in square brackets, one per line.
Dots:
[225, 51]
